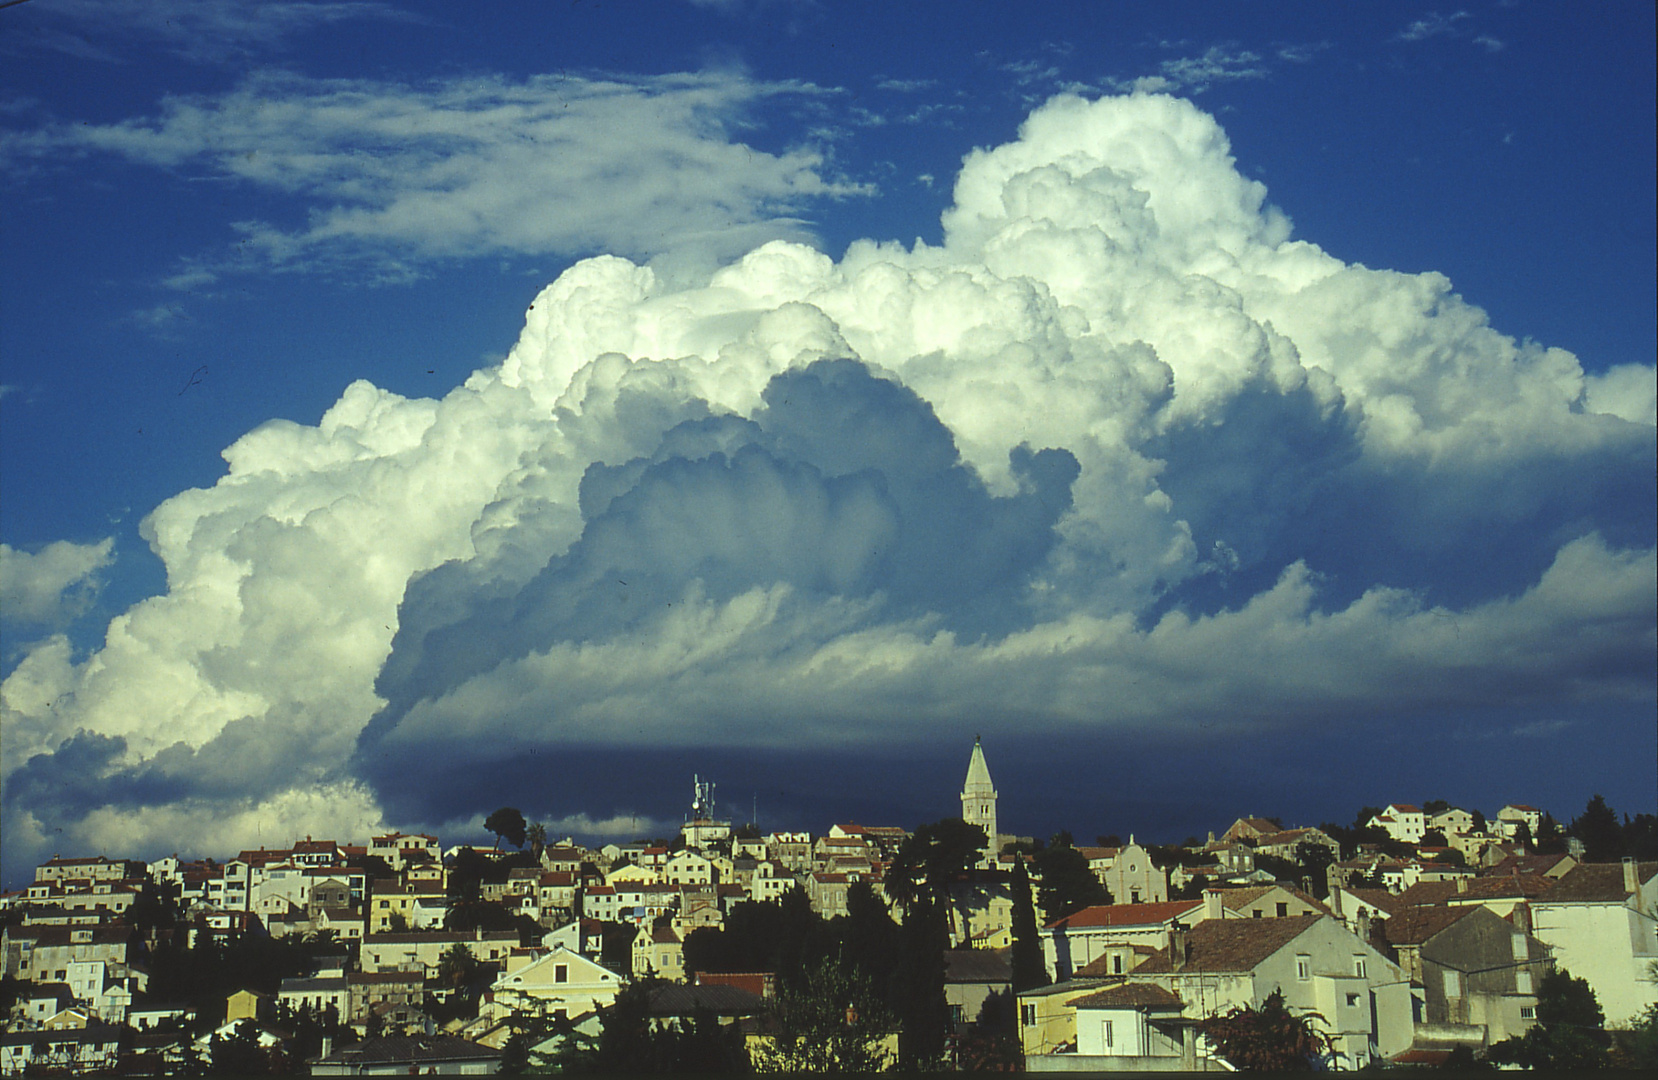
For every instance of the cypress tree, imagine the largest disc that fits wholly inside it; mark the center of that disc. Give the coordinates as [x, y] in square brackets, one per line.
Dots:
[1029, 971]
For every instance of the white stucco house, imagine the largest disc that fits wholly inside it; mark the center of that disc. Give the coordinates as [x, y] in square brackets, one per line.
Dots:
[1402, 821]
[557, 983]
[1358, 997]
[1601, 920]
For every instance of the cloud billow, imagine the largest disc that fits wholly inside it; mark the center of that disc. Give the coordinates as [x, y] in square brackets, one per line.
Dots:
[1121, 455]
[842, 485]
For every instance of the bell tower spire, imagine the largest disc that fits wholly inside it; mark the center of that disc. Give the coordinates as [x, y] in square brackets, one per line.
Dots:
[978, 796]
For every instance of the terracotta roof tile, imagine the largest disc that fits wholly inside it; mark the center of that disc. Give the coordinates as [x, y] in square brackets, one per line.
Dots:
[1596, 882]
[1132, 995]
[1126, 914]
[976, 966]
[1380, 899]
[1236, 945]
[1413, 926]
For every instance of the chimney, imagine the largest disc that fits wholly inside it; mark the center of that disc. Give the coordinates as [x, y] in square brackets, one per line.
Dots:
[1211, 904]
[1361, 924]
[1179, 947]
[1631, 876]
[1521, 917]
[1462, 884]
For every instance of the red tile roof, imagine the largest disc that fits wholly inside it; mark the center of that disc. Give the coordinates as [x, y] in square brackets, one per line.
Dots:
[1126, 914]
[1132, 995]
[1380, 899]
[1597, 883]
[1231, 945]
[1477, 890]
[1413, 926]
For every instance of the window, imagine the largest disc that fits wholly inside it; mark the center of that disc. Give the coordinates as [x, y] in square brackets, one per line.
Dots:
[561, 973]
[1027, 1015]
[1255, 914]
[956, 1014]
[1528, 1012]
[1519, 946]
[1352, 1001]
[1522, 982]
[1117, 964]
[1283, 909]
[1358, 966]
[1453, 984]
[1303, 967]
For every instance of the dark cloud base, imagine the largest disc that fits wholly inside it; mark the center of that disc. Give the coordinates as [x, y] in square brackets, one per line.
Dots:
[1270, 480]
[1162, 786]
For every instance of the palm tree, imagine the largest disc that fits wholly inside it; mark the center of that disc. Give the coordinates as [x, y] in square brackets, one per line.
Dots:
[536, 833]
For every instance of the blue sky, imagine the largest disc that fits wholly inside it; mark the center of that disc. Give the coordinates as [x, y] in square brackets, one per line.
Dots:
[1252, 404]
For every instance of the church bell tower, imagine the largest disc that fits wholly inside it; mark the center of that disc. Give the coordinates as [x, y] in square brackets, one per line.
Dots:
[978, 796]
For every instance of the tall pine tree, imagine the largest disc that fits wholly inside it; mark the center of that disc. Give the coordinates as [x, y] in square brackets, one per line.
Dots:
[1029, 971]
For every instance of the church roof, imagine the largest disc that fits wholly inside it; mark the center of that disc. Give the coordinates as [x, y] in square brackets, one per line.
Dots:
[978, 774]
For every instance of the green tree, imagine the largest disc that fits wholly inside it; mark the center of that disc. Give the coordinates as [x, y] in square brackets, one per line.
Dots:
[1270, 1038]
[625, 1042]
[799, 930]
[466, 875]
[699, 1043]
[1570, 1033]
[1361, 820]
[992, 1043]
[1029, 970]
[457, 967]
[918, 984]
[866, 935]
[921, 879]
[932, 859]
[536, 834]
[1637, 1048]
[1599, 829]
[507, 824]
[1640, 837]
[239, 1053]
[1551, 838]
[832, 1022]
[1068, 885]
[1314, 860]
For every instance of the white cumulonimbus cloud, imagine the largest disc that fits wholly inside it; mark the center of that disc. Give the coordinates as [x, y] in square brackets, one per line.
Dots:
[51, 586]
[1120, 453]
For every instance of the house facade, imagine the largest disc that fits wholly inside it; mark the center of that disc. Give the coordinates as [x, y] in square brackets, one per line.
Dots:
[557, 984]
[1357, 996]
[1478, 972]
[1601, 920]
[1077, 940]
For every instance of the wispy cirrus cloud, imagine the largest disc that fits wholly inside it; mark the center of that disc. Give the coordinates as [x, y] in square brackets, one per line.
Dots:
[1221, 63]
[1433, 25]
[200, 31]
[1457, 26]
[389, 175]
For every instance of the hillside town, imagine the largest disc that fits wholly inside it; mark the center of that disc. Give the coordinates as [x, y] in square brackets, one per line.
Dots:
[1418, 935]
